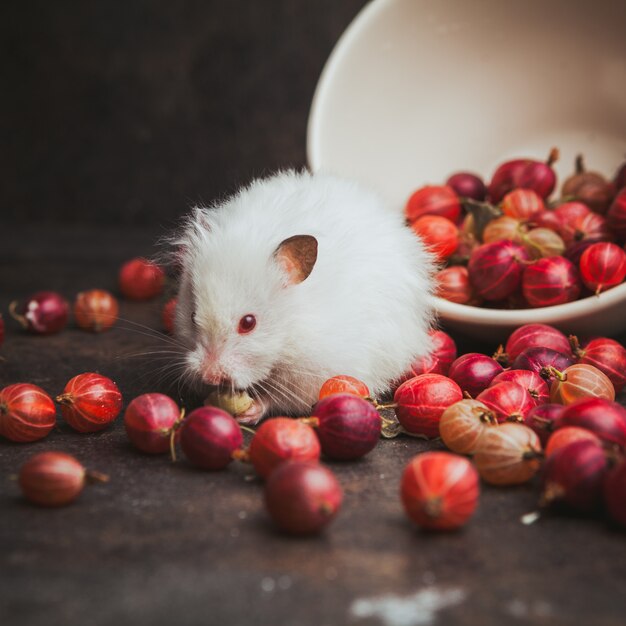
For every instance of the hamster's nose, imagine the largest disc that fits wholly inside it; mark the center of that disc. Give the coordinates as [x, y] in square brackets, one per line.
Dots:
[217, 379]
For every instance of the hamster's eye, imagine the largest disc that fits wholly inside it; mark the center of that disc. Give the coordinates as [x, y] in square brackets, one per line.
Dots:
[246, 324]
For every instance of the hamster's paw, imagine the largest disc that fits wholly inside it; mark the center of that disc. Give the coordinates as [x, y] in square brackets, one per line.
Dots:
[254, 413]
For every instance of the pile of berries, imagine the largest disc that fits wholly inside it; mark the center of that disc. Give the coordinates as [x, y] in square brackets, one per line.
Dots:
[506, 245]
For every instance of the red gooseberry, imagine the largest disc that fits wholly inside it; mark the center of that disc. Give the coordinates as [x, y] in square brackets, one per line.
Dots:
[54, 479]
[439, 490]
[580, 381]
[495, 269]
[508, 401]
[564, 436]
[463, 423]
[433, 200]
[453, 284]
[421, 401]
[27, 412]
[344, 384]
[141, 279]
[540, 359]
[95, 310]
[615, 493]
[439, 234]
[527, 173]
[605, 418]
[585, 226]
[531, 381]
[348, 427]
[168, 315]
[150, 420]
[608, 355]
[43, 313]
[442, 354]
[616, 215]
[90, 402]
[535, 336]
[209, 437]
[302, 497]
[549, 281]
[573, 475]
[281, 439]
[522, 204]
[467, 185]
[544, 419]
[473, 372]
[602, 266]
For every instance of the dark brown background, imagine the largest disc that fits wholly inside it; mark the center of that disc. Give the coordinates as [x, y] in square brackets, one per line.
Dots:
[114, 118]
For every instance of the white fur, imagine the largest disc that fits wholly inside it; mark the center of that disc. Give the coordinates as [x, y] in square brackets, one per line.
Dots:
[363, 311]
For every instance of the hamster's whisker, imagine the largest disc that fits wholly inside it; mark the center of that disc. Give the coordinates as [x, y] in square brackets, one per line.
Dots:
[137, 327]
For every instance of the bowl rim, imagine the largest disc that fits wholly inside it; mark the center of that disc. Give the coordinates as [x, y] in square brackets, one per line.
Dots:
[368, 13]
[567, 312]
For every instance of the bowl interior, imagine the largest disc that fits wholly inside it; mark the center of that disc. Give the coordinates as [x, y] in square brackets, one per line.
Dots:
[416, 90]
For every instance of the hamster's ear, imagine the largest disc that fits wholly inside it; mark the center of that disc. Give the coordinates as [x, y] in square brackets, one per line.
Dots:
[296, 256]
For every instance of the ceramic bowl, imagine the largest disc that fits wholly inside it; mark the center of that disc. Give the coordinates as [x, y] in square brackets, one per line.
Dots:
[416, 90]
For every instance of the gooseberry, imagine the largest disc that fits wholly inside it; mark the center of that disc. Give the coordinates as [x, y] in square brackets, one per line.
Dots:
[467, 185]
[421, 401]
[602, 266]
[141, 279]
[531, 381]
[603, 417]
[168, 315]
[344, 384]
[281, 439]
[522, 204]
[433, 200]
[348, 427]
[43, 313]
[580, 381]
[616, 215]
[209, 436]
[439, 490]
[55, 478]
[150, 420]
[27, 412]
[526, 173]
[90, 402]
[549, 281]
[302, 497]
[566, 435]
[453, 284]
[544, 419]
[508, 401]
[608, 355]
[442, 354]
[573, 475]
[615, 493]
[496, 268]
[439, 234]
[463, 423]
[95, 310]
[540, 359]
[508, 455]
[473, 372]
[535, 336]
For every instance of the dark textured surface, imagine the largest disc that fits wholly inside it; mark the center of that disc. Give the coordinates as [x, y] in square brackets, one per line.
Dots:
[127, 112]
[162, 543]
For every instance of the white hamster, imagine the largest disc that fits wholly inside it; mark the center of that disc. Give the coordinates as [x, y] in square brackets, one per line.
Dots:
[297, 278]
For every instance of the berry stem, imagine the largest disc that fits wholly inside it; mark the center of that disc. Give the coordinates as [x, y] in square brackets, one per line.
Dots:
[16, 316]
[92, 477]
[553, 157]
